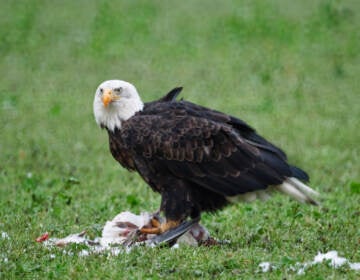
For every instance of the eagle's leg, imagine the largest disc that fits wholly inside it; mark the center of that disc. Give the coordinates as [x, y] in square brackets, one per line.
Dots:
[158, 228]
[175, 204]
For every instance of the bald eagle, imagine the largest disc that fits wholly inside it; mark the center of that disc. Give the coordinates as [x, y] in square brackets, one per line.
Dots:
[197, 158]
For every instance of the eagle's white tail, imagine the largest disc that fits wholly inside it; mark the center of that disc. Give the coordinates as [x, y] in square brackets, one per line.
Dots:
[298, 190]
[291, 186]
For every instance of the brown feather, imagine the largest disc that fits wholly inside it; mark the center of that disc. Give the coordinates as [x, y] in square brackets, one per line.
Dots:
[196, 157]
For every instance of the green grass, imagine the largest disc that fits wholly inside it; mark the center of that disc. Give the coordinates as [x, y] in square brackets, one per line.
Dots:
[290, 69]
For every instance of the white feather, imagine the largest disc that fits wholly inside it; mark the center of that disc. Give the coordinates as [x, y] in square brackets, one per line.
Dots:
[298, 190]
[291, 191]
[113, 233]
[301, 186]
[291, 186]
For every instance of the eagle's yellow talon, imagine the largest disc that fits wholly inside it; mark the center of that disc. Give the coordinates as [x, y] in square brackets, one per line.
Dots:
[155, 222]
[158, 228]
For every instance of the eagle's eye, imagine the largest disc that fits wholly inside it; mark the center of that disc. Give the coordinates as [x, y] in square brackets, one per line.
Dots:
[118, 90]
[101, 91]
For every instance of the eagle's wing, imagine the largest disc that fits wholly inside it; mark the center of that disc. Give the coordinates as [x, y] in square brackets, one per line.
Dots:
[202, 150]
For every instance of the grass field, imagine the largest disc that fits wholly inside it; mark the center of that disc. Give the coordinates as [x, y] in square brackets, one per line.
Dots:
[289, 68]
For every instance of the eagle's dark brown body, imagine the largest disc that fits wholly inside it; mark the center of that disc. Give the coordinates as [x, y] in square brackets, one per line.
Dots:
[196, 157]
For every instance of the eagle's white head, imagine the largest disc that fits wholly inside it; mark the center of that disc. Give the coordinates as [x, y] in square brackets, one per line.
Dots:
[115, 101]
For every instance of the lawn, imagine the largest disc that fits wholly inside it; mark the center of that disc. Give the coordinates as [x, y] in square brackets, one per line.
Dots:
[289, 68]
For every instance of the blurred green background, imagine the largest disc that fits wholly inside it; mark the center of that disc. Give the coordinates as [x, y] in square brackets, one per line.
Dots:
[289, 68]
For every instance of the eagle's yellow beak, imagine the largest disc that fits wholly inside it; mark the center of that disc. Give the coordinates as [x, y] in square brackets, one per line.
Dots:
[107, 97]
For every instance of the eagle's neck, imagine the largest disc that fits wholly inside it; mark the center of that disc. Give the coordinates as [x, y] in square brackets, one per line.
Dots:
[128, 109]
[112, 117]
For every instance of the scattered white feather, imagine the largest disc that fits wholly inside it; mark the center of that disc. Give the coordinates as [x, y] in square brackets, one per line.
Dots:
[302, 268]
[119, 230]
[4, 235]
[77, 238]
[265, 266]
[331, 258]
[84, 253]
[354, 266]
